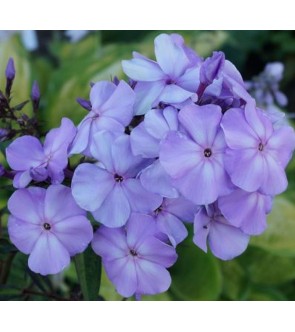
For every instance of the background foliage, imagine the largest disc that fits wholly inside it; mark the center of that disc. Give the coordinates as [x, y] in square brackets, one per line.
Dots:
[266, 271]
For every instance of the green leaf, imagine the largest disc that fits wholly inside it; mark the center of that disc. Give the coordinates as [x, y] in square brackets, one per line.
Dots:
[88, 267]
[196, 275]
[267, 269]
[280, 234]
[235, 283]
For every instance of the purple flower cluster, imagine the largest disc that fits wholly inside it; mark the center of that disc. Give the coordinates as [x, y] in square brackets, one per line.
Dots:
[184, 144]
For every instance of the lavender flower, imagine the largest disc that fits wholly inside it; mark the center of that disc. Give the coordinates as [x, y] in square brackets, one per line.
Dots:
[135, 260]
[3, 134]
[49, 226]
[110, 190]
[224, 240]
[246, 210]
[145, 141]
[256, 153]
[195, 160]
[112, 109]
[265, 87]
[173, 79]
[34, 161]
[171, 214]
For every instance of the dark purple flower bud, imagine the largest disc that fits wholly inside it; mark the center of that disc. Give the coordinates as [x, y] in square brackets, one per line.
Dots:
[212, 68]
[2, 170]
[3, 134]
[84, 103]
[115, 80]
[10, 70]
[35, 94]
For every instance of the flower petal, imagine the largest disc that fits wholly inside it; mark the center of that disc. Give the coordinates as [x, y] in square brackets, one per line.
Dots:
[122, 274]
[142, 69]
[245, 210]
[173, 94]
[60, 204]
[178, 154]
[75, 233]
[172, 227]
[91, 185]
[146, 94]
[139, 198]
[120, 104]
[49, 256]
[170, 56]
[23, 234]
[110, 243]
[201, 229]
[100, 93]
[27, 204]
[25, 152]
[238, 133]
[142, 143]
[201, 122]
[152, 278]
[115, 209]
[156, 180]
[246, 168]
[181, 208]
[226, 242]
[190, 80]
[22, 179]
[101, 148]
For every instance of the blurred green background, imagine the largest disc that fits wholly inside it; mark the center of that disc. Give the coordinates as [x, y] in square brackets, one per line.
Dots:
[64, 69]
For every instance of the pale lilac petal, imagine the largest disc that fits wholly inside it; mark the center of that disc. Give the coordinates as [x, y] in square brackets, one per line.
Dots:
[181, 208]
[139, 227]
[82, 138]
[22, 179]
[100, 93]
[246, 168]
[123, 274]
[190, 80]
[142, 69]
[120, 104]
[245, 210]
[238, 133]
[274, 179]
[91, 185]
[178, 154]
[110, 244]
[152, 278]
[200, 185]
[258, 121]
[105, 122]
[139, 198]
[101, 148]
[173, 94]
[156, 251]
[146, 94]
[226, 242]
[142, 143]
[172, 227]
[23, 234]
[201, 122]
[48, 256]
[75, 233]
[57, 209]
[201, 229]
[282, 144]
[58, 140]
[156, 121]
[229, 69]
[25, 152]
[22, 204]
[125, 164]
[170, 56]
[156, 180]
[115, 209]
